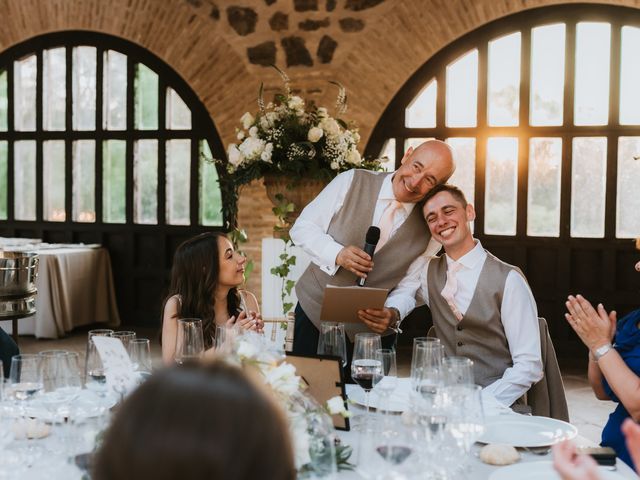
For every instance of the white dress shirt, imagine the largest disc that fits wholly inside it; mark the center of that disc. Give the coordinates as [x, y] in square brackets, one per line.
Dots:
[518, 313]
[310, 230]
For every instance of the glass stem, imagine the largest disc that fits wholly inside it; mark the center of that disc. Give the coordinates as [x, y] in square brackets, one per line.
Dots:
[367, 415]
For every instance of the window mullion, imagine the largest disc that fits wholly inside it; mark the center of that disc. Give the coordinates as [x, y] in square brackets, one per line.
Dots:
[68, 142]
[10, 144]
[99, 181]
[130, 187]
[162, 152]
[38, 136]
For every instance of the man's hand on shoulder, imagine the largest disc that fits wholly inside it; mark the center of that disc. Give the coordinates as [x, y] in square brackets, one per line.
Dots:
[378, 320]
[355, 260]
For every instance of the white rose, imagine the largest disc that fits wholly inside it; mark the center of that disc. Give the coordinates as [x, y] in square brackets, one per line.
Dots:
[235, 156]
[247, 350]
[265, 156]
[315, 134]
[283, 379]
[322, 112]
[253, 132]
[335, 165]
[335, 405]
[240, 135]
[330, 126]
[353, 157]
[252, 148]
[296, 103]
[247, 120]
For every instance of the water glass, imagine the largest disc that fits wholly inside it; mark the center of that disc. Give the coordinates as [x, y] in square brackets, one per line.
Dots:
[125, 336]
[416, 357]
[465, 417]
[387, 381]
[140, 354]
[458, 371]
[25, 378]
[189, 341]
[61, 380]
[94, 376]
[332, 341]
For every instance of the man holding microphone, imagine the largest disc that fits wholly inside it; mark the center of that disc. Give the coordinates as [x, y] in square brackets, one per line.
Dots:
[332, 230]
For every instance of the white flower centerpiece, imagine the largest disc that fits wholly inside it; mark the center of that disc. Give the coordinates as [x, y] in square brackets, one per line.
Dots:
[294, 140]
[317, 453]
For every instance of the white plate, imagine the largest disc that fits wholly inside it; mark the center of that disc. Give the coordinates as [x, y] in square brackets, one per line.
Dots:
[398, 402]
[541, 471]
[526, 431]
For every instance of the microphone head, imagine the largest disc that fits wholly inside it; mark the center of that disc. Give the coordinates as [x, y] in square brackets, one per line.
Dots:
[373, 235]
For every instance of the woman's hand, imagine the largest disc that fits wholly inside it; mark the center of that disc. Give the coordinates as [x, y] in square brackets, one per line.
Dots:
[572, 466]
[595, 328]
[251, 321]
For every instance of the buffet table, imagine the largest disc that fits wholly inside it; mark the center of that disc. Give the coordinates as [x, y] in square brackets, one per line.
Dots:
[75, 288]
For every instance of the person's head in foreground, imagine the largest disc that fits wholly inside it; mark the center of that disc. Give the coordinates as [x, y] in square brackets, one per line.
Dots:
[197, 422]
[421, 169]
[449, 218]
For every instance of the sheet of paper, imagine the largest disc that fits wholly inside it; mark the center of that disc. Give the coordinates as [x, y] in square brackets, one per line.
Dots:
[341, 304]
[118, 369]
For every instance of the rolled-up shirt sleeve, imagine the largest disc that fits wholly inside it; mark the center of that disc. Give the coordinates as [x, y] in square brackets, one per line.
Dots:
[309, 232]
[403, 297]
[519, 316]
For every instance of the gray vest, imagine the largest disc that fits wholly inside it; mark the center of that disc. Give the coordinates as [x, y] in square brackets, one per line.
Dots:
[479, 335]
[349, 227]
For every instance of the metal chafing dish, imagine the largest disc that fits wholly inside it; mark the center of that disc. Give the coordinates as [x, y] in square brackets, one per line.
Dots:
[18, 273]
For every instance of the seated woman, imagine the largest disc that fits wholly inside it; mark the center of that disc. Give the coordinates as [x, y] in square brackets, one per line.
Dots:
[614, 370]
[205, 275]
[197, 422]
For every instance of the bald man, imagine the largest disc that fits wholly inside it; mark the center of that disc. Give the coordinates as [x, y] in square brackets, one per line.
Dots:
[332, 230]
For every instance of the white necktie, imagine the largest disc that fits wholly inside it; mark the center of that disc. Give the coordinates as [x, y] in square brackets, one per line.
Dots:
[386, 223]
[451, 287]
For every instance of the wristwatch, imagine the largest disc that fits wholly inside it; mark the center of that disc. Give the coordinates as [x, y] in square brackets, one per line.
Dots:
[395, 323]
[600, 352]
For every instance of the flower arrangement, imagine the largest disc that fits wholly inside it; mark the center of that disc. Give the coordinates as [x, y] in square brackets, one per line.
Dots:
[294, 139]
[314, 440]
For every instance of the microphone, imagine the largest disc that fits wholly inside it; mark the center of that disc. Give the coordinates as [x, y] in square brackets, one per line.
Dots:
[370, 242]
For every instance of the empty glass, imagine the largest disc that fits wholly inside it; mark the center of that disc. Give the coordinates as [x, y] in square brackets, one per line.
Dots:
[140, 354]
[189, 340]
[61, 380]
[386, 382]
[94, 376]
[125, 336]
[416, 357]
[458, 371]
[332, 341]
[223, 339]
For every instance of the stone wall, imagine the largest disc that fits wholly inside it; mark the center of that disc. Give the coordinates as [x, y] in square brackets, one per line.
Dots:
[221, 48]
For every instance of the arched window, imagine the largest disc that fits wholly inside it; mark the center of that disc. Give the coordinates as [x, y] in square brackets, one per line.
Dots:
[542, 110]
[101, 141]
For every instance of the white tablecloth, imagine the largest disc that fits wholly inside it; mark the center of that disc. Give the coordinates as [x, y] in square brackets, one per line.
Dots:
[75, 288]
[479, 470]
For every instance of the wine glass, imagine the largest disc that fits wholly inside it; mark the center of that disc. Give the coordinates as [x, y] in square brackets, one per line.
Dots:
[458, 371]
[95, 379]
[465, 418]
[125, 336]
[332, 341]
[189, 341]
[140, 354]
[365, 364]
[417, 357]
[387, 381]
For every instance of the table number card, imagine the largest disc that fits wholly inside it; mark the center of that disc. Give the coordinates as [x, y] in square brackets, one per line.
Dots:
[118, 369]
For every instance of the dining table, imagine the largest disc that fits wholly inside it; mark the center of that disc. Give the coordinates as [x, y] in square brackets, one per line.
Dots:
[368, 464]
[75, 288]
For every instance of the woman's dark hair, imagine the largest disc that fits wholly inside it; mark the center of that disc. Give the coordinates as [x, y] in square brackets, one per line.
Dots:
[197, 422]
[194, 277]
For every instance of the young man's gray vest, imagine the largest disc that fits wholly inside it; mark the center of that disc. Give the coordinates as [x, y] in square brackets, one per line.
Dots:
[349, 227]
[479, 335]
